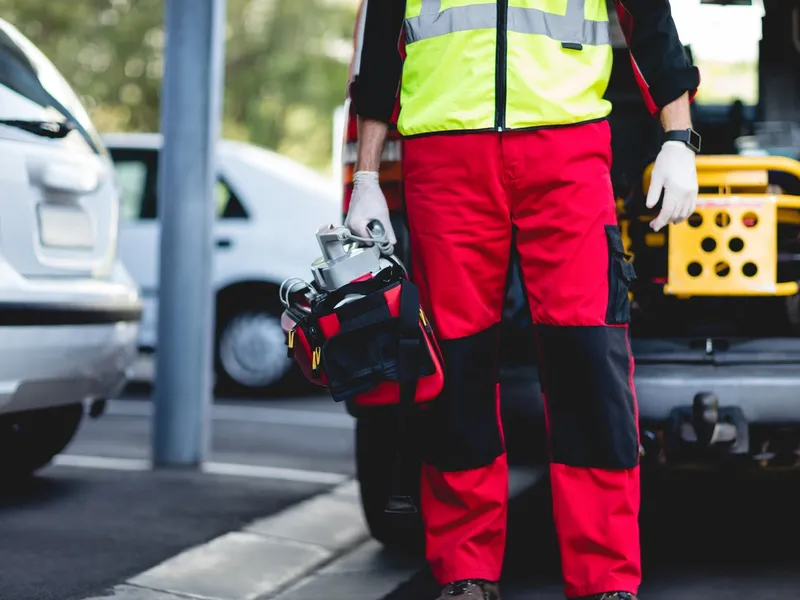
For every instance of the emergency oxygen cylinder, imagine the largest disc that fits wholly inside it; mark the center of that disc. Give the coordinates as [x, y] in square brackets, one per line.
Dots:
[343, 262]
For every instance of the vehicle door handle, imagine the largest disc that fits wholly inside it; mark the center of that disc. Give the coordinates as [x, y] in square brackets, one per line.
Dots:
[224, 243]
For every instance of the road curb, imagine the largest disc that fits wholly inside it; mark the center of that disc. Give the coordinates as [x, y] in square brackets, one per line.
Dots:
[259, 560]
[369, 572]
[317, 549]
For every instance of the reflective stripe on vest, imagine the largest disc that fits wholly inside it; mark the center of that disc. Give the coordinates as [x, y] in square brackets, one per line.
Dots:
[570, 27]
[548, 63]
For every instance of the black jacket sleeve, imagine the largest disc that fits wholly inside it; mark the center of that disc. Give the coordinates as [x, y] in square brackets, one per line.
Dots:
[373, 90]
[660, 63]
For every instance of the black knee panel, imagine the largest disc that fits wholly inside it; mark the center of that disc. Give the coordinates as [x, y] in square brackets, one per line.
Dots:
[462, 430]
[591, 410]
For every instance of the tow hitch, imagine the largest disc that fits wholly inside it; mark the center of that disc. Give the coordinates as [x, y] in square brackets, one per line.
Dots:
[706, 429]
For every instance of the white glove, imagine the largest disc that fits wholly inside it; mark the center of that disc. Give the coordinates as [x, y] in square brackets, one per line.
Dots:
[675, 172]
[367, 204]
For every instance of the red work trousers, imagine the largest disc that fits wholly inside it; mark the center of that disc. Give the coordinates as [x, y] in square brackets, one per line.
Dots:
[468, 198]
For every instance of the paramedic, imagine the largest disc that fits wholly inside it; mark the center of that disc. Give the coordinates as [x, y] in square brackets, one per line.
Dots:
[506, 140]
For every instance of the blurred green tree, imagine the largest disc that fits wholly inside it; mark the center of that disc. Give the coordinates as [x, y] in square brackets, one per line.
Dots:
[286, 64]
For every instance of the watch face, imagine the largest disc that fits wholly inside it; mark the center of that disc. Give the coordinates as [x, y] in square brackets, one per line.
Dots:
[688, 136]
[694, 140]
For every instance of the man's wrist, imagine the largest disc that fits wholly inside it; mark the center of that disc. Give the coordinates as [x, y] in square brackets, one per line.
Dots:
[371, 137]
[367, 163]
[677, 114]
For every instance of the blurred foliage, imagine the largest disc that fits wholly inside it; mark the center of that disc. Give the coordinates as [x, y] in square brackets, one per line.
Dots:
[286, 64]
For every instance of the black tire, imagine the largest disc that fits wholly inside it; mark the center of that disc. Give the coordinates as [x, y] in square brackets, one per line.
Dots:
[30, 440]
[260, 308]
[402, 534]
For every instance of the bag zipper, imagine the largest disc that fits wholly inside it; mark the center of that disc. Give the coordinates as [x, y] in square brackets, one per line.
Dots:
[302, 321]
[290, 341]
[299, 319]
[431, 337]
[316, 356]
[316, 349]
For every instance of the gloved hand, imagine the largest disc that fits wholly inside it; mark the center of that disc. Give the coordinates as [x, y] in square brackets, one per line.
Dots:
[675, 172]
[366, 204]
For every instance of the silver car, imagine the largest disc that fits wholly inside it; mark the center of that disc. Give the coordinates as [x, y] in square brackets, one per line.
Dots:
[69, 310]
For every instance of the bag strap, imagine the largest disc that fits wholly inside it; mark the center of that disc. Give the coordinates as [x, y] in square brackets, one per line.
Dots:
[410, 341]
[408, 355]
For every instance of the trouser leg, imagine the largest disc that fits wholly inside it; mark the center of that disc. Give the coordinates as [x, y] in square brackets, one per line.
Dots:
[460, 233]
[576, 280]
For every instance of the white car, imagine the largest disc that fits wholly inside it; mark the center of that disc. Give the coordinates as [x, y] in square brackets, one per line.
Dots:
[268, 209]
[69, 310]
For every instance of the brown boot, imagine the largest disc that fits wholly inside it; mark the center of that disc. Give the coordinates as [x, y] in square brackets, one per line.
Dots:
[470, 589]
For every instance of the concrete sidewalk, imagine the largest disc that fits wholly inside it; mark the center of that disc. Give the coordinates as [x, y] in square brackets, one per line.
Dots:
[317, 549]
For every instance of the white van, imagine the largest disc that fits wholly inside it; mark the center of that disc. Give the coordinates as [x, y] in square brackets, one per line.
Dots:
[268, 210]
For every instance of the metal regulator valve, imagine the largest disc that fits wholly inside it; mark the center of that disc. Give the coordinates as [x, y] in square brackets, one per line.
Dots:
[377, 236]
[347, 257]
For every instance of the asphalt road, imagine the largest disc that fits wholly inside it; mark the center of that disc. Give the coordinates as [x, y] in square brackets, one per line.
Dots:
[100, 516]
[704, 537]
[76, 530]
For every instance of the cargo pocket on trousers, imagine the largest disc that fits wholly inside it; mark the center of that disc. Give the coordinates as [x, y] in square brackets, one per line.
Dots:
[621, 275]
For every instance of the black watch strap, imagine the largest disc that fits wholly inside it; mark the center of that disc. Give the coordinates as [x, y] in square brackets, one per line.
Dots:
[688, 136]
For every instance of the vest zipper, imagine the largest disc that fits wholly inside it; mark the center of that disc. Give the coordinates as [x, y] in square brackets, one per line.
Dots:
[500, 66]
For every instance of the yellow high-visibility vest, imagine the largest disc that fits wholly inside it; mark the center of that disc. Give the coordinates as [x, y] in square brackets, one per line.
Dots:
[475, 65]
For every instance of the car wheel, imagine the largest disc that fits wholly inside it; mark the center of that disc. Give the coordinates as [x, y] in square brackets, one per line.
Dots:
[374, 456]
[251, 352]
[30, 440]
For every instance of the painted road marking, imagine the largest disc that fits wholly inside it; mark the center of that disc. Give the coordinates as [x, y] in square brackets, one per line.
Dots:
[102, 462]
[214, 468]
[266, 472]
[245, 414]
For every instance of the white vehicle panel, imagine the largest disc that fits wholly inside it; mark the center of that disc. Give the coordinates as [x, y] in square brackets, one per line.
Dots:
[285, 202]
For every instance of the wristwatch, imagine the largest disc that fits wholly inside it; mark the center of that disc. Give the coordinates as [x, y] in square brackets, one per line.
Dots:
[688, 136]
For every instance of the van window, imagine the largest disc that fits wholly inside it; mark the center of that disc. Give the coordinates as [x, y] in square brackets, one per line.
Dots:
[137, 175]
[132, 177]
[227, 203]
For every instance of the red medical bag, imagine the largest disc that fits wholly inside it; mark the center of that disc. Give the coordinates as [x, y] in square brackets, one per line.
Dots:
[368, 342]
